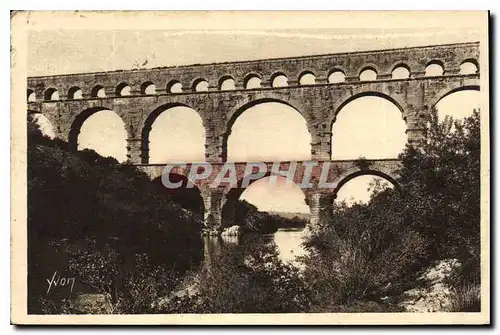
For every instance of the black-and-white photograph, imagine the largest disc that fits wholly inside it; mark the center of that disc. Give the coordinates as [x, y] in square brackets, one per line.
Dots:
[256, 169]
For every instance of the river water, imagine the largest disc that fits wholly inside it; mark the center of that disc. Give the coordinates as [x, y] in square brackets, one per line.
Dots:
[288, 242]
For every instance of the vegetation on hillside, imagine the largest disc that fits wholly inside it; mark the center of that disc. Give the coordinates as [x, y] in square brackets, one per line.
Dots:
[106, 225]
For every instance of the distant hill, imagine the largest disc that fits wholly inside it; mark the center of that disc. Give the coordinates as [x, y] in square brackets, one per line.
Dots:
[291, 215]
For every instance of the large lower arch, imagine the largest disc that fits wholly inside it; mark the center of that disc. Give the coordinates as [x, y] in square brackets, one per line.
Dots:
[368, 125]
[350, 177]
[284, 125]
[266, 196]
[385, 96]
[107, 137]
[189, 134]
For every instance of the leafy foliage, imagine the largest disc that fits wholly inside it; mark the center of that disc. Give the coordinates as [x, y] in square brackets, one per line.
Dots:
[442, 182]
[365, 256]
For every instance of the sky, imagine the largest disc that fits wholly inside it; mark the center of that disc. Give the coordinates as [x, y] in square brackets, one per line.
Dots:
[281, 131]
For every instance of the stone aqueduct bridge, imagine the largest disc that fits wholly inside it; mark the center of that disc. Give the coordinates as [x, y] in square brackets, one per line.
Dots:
[139, 96]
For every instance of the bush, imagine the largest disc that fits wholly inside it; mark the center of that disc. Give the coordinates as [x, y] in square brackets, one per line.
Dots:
[366, 256]
[442, 183]
[130, 285]
[466, 298]
[465, 287]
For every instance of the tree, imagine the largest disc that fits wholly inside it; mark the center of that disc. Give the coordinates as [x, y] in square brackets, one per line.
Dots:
[442, 183]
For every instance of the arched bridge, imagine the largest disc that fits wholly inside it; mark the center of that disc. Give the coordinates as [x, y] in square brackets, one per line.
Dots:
[316, 86]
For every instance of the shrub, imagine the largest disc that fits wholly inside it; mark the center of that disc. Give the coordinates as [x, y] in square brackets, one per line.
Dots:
[367, 255]
[466, 298]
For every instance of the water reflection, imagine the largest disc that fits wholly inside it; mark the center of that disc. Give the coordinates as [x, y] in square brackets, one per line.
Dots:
[211, 249]
[288, 243]
[226, 239]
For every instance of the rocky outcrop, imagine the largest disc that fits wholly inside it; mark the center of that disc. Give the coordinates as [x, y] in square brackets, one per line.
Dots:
[436, 296]
[232, 231]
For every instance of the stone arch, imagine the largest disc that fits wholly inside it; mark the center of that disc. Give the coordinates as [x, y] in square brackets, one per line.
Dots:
[78, 122]
[238, 190]
[235, 193]
[279, 79]
[457, 100]
[199, 85]
[74, 93]
[249, 77]
[148, 123]
[434, 64]
[355, 96]
[251, 101]
[368, 71]
[336, 75]
[225, 81]
[148, 88]
[98, 92]
[174, 86]
[401, 66]
[471, 61]
[304, 75]
[354, 172]
[122, 89]
[51, 94]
